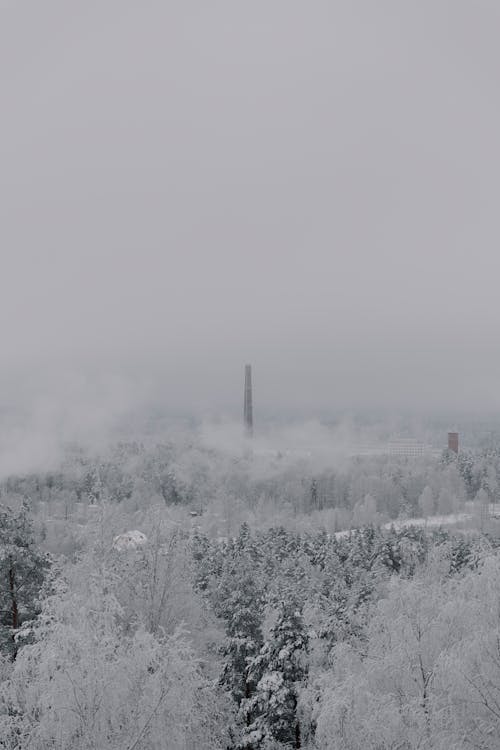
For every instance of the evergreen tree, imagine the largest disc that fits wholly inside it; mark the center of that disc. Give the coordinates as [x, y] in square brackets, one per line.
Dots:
[242, 610]
[280, 668]
[465, 462]
[23, 570]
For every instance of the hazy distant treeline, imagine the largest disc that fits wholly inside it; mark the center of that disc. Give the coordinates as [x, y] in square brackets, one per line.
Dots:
[226, 489]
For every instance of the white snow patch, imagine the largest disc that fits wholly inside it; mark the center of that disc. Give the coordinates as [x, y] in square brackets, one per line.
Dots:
[431, 521]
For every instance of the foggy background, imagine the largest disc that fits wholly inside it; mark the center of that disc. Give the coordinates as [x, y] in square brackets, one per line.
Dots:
[309, 187]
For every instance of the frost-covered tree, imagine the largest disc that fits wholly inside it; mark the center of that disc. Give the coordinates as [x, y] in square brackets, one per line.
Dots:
[157, 578]
[470, 678]
[387, 699]
[280, 667]
[365, 512]
[243, 611]
[88, 682]
[482, 508]
[447, 502]
[426, 502]
[23, 570]
[426, 676]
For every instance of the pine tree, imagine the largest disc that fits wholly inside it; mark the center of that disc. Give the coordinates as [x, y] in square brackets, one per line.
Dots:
[280, 667]
[465, 462]
[242, 611]
[22, 572]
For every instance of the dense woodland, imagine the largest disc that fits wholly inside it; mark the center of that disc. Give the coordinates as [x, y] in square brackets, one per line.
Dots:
[268, 602]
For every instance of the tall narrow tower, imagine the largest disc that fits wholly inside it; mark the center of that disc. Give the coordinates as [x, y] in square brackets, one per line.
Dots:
[247, 408]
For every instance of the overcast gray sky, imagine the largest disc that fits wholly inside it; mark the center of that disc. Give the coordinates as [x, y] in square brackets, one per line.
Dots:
[309, 186]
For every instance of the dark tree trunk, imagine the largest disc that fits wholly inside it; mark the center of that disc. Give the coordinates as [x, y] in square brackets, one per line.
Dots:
[298, 743]
[14, 610]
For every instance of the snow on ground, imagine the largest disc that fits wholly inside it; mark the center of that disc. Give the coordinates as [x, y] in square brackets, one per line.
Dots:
[449, 520]
[453, 519]
[431, 522]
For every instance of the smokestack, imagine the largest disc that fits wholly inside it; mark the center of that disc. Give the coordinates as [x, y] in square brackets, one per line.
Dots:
[453, 442]
[247, 409]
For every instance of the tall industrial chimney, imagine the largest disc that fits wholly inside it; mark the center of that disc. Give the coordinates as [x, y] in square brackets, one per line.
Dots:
[453, 442]
[247, 409]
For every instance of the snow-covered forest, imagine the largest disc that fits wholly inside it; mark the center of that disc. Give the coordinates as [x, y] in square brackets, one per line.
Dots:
[174, 595]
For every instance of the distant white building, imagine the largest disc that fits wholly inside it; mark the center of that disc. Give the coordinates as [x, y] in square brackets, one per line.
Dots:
[406, 447]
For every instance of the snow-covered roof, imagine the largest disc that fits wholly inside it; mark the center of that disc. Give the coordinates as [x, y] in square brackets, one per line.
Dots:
[129, 540]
